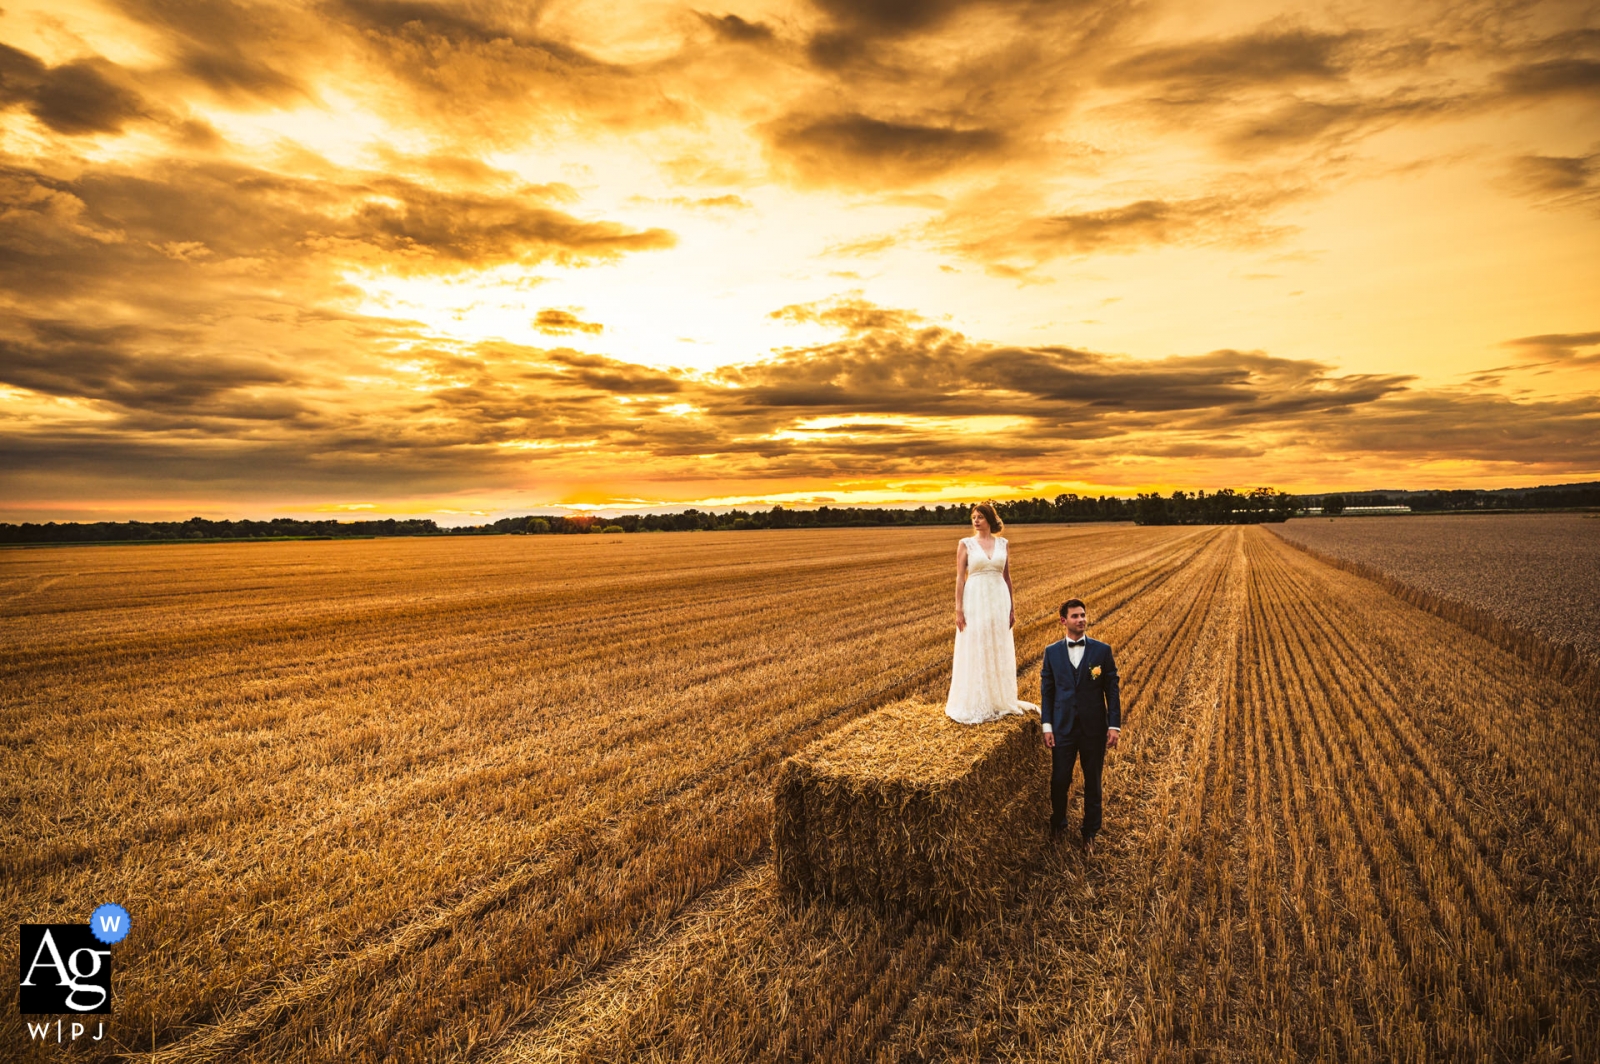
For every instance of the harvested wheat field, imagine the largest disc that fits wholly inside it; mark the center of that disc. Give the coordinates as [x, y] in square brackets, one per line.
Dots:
[511, 798]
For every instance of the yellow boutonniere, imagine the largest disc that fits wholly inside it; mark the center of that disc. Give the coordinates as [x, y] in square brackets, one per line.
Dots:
[1095, 672]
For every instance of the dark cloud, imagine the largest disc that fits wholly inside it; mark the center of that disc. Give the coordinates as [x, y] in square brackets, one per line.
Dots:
[454, 169]
[77, 98]
[890, 17]
[107, 223]
[1329, 124]
[1557, 180]
[85, 97]
[895, 367]
[1231, 386]
[237, 50]
[856, 149]
[1310, 91]
[734, 28]
[1553, 77]
[231, 74]
[1558, 173]
[458, 24]
[611, 376]
[1069, 401]
[1198, 69]
[1545, 434]
[1559, 347]
[481, 72]
[855, 30]
[1288, 93]
[474, 229]
[132, 367]
[854, 315]
[1228, 220]
[492, 72]
[562, 322]
[20, 75]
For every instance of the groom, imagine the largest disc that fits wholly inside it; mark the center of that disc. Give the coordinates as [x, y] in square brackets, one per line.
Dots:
[1081, 707]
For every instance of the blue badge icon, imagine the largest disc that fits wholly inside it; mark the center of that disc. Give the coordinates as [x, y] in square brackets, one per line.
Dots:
[110, 924]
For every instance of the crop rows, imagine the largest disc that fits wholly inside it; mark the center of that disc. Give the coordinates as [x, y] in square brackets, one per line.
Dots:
[1309, 864]
[508, 799]
[334, 778]
[1530, 582]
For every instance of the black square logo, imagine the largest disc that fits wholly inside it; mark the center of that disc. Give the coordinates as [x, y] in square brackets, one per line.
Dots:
[64, 969]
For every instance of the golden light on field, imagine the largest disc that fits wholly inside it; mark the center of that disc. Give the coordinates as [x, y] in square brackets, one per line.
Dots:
[264, 258]
[505, 799]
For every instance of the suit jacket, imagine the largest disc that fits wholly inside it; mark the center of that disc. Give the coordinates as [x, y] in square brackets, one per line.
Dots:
[1067, 695]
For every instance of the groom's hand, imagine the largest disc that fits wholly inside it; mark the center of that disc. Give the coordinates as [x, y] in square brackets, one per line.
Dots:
[1111, 737]
[1050, 740]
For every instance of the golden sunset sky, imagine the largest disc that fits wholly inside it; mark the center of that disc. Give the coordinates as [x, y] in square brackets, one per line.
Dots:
[362, 257]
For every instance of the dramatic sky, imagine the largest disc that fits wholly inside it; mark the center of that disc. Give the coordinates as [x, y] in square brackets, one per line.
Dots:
[382, 257]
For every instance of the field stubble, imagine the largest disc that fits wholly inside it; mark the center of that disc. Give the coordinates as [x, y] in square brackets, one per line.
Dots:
[510, 799]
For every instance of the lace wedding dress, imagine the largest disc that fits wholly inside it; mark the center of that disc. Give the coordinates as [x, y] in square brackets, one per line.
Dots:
[983, 683]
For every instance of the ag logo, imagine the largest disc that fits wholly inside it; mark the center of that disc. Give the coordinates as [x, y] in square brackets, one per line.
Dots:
[64, 969]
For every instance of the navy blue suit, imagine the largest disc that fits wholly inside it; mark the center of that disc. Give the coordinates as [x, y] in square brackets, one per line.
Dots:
[1079, 706]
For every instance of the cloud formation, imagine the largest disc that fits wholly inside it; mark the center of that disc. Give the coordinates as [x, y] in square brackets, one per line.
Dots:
[560, 322]
[1560, 347]
[896, 397]
[855, 149]
[252, 246]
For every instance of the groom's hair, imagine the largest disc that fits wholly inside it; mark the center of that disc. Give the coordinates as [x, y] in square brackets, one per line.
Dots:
[1073, 604]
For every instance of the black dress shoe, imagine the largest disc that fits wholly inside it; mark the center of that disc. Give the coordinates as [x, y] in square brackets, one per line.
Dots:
[1087, 845]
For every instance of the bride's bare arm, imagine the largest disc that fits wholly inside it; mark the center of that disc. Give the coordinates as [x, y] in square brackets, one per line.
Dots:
[1011, 596]
[961, 585]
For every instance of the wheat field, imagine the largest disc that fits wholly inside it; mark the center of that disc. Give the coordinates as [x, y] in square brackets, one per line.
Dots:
[509, 799]
[1540, 571]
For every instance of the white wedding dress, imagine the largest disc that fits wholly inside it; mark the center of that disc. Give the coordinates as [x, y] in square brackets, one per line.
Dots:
[983, 682]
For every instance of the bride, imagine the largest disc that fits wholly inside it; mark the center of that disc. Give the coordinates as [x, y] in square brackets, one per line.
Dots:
[983, 683]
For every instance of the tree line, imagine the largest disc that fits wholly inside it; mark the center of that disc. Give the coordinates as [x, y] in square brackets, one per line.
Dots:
[1224, 506]
[1466, 500]
[201, 528]
[1063, 508]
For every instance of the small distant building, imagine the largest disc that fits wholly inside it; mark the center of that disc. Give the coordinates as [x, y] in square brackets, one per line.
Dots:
[1360, 511]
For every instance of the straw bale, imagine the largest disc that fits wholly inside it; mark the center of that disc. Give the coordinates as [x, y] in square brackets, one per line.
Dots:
[904, 809]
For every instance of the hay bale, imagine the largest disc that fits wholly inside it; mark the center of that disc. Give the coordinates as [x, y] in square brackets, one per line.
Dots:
[906, 809]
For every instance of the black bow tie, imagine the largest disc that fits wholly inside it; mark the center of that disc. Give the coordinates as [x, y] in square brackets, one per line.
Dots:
[1076, 642]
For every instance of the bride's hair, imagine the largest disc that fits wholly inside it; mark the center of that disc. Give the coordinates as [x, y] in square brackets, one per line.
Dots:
[990, 515]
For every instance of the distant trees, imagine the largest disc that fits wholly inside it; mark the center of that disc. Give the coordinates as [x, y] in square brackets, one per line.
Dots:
[201, 528]
[1456, 500]
[1550, 497]
[1222, 507]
